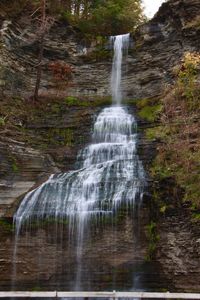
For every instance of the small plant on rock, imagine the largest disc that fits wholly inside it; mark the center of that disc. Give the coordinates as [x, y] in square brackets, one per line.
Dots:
[3, 121]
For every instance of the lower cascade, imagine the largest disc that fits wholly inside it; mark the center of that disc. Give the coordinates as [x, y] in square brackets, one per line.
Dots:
[109, 174]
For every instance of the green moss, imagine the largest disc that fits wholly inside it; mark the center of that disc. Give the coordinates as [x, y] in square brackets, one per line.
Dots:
[68, 136]
[72, 101]
[153, 238]
[5, 225]
[181, 164]
[158, 132]
[147, 109]
[196, 217]
[137, 102]
[191, 186]
[151, 134]
[61, 136]
[158, 201]
[168, 165]
[55, 108]
[142, 103]
[160, 171]
[163, 209]
[2, 121]
[14, 163]
[15, 167]
[150, 113]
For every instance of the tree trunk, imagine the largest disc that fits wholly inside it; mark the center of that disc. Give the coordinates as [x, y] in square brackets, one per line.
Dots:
[78, 8]
[41, 50]
[68, 6]
[86, 9]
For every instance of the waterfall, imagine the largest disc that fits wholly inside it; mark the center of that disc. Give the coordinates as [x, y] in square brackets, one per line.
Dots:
[121, 44]
[110, 174]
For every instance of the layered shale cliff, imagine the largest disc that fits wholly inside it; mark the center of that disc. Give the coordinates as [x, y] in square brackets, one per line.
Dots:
[157, 47]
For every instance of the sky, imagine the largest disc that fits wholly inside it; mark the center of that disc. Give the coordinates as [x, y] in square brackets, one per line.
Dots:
[151, 7]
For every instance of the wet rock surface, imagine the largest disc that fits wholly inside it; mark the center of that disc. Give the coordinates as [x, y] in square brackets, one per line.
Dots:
[47, 260]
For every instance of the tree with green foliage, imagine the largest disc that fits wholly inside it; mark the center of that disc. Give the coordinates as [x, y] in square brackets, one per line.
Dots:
[94, 17]
[104, 17]
[117, 16]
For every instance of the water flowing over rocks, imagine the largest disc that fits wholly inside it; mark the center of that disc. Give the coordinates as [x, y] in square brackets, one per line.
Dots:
[110, 174]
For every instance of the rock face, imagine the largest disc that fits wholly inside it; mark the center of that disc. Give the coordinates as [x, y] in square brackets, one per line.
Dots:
[178, 251]
[15, 182]
[157, 47]
[48, 143]
[177, 248]
[51, 264]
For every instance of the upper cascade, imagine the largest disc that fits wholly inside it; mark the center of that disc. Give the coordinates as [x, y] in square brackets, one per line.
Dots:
[121, 45]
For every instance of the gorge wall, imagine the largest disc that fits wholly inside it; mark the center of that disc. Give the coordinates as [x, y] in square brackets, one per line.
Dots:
[37, 141]
[157, 47]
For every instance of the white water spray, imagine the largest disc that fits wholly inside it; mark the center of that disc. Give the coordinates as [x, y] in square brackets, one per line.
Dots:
[120, 44]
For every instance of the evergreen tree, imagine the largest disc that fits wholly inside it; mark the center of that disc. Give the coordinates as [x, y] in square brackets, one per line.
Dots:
[105, 17]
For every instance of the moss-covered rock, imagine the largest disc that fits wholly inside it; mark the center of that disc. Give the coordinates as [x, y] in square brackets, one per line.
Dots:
[148, 109]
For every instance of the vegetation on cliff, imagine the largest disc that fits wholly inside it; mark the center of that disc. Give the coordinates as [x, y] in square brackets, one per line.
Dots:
[93, 17]
[19, 119]
[178, 153]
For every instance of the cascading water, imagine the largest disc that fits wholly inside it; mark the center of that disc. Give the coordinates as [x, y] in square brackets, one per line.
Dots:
[111, 173]
[121, 44]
